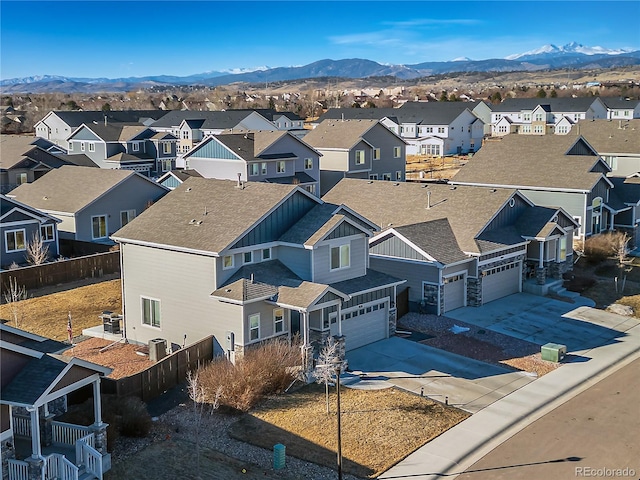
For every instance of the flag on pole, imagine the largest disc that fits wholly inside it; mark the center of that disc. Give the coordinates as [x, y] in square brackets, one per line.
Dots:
[69, 329]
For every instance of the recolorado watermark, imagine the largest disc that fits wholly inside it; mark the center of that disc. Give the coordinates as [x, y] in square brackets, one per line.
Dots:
[605, 472]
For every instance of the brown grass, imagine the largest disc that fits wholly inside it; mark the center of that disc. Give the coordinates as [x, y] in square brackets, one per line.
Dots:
[47, 315]
[379, 428]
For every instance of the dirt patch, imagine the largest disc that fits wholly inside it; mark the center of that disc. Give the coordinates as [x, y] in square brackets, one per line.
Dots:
[372, 422]
[47, 315]
[123, 358]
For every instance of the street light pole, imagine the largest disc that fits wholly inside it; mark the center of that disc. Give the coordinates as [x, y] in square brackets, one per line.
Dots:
[338, 370]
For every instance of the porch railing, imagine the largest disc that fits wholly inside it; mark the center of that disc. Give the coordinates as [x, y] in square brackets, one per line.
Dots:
[18, 470]
[91, 459]
[22, 425]
[59, 467]
[86, 440]
[68, 434]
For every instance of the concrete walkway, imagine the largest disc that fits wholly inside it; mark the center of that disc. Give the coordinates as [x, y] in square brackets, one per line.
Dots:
[455, 450]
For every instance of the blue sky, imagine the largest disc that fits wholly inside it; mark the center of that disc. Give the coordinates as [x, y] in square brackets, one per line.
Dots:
[126, 38]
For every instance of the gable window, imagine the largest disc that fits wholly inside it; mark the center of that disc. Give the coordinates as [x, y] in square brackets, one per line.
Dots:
[151, 312]
[266, 254]
[376, 154]
[227, 262]
[397, 152]
[247, 257]
[359, 157]
[21, 178]
[126, 216]
[340, 257]
[135, 147]
[92, 147]
[254, 169]
[166, 148]
[99, 226]
[254, 326]
[308, 163]
[502, 129]
[47, 233]
[281, 166]
[82, 146]
[278, 320]
[14, 240]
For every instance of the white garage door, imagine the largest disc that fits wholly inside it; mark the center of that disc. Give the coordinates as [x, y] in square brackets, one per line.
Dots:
[364, 325]
[501, 281]
[453, 292]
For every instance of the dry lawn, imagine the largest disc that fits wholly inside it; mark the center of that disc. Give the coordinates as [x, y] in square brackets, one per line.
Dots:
[47, 315]
[379, 428]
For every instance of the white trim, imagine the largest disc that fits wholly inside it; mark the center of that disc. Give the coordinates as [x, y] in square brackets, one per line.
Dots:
[284, 322]
[502, 257]
[250, 340]
[151, 320]
[404, 239]
[106, 227]
[15, 240]
[18, 349]
[520, 187]
[233, 262]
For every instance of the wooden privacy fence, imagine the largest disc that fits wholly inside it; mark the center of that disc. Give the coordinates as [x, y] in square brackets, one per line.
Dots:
[63, 271]
[165, 374]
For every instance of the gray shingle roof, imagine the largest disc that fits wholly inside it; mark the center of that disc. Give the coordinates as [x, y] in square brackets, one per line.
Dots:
[467, 209]
[295, 179]
[13, 148]
[626, 189]
[373, 279]
[535, 221]
[33, 380]
[179, 219]
[432, 113]
[611, 136]
[77, 118]
[338, 133]
[212, 120]
[535, 161]
[435, 238]
[561, 104]
[80, 160]
[620, 103]
[69, 188]
[117, 132]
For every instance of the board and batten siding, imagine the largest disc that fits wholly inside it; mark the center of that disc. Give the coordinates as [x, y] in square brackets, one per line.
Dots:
[392, 246]
[322, 272]
[508, 215]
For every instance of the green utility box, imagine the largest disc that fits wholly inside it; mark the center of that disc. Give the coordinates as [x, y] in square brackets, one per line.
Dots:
[279, 456]
[553, 352]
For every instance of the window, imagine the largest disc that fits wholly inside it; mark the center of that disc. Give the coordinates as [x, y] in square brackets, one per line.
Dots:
[308, 163]
[386, 176]
[359, 157]
[135, 147]
[266, 254]
[254, 326]
[376, 154]
[14, 240]
[227, 262]
[311, 188]
[399, 175]
[99, 226]
[440, 129]
[429, 129]
[254, 169]
[539, 117]
[185, 134]
[373, 176]
[278, 320]
[263, 168]
[92, 147]
[21, 178]
[151, 312]
[562, 129]
[562, 254]
[526, 129]
[166, 148]
[47, 233]
[397, 152]
[502, 129]
[526, 117]
[126, 216]
[165, 165]
[82, 146]
[71, 146]
[281, 166]
[433, 150]
[340, 257]
[247, 257]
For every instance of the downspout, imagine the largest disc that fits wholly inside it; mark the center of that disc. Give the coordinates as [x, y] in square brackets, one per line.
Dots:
[124, 317]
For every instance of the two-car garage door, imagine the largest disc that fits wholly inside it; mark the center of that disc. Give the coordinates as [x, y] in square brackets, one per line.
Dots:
[365, 324]
[501, 281]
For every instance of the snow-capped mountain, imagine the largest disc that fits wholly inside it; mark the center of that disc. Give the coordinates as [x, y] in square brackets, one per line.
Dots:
[551, 50]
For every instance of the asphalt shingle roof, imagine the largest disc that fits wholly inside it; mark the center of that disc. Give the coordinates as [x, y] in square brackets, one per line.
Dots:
[560, 104]
[13, 148]
[212, 120]
[33, 380]
[626, 189]
[435, 238]
[77, 118]
[116, 132]
[373, 279]
[338, 133]
[611, 136]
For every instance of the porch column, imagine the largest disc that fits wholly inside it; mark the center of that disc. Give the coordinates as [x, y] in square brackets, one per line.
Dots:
[541, 259]
[307, 349]
[36, 452]
[97, 403]
[612, 216]
[99, 429]
[340, 319]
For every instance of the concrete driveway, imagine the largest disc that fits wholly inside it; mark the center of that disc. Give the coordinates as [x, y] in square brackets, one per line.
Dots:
[466, 383]
[542, 320]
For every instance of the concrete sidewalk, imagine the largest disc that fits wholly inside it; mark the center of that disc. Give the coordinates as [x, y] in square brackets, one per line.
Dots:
[455, 450]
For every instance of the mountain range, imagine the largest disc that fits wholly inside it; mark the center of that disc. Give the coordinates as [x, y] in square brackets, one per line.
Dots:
[548, 57]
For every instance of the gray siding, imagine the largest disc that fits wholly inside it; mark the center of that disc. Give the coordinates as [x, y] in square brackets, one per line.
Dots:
[266, 321]
[392, 246]
[368, 156]
[329, 179]
[343, 230]
[298, 260]
[322, 263]
[572, 203]
[31, 228]
[380, 294]
[382, 138]
[414, 273]
[600, 190]
[508, 215]
[86, 134]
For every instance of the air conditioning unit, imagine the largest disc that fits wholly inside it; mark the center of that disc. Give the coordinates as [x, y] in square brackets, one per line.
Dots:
[157, 349]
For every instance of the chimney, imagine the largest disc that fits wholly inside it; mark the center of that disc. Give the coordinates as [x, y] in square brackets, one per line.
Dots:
[428, 199]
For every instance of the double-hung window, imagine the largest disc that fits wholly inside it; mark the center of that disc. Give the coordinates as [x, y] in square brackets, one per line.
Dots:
[308, 163]
[99, 226]
[254, 326]
[135, 146]
[227, 262]
[82, 146]
[266, 254]
[14, 240]
[359, 157]
[126, 216]
[92, 147]
[47, 233]
[281, 166]
[397, 152]
[247, 257]
[263, 168]
[166, 148]
[278, 320]
[151, 312]
[254, 169]
[340, 257]
[376, 154]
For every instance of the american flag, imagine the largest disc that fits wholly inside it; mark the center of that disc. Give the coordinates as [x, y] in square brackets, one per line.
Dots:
[70, 330]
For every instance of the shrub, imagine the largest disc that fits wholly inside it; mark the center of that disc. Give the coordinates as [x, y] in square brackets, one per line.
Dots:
[600, 247]
[266, 369]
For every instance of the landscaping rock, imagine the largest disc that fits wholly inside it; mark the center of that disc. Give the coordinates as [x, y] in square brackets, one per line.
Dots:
[620, 309]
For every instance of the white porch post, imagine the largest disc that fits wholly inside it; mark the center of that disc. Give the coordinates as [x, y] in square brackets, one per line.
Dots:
[541, 259]
[340, 319]
[305, 326]
[611, 215]
[36, 451]
[97, 403]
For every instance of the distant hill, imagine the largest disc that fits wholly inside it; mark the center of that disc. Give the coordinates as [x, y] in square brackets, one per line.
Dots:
[548, 57]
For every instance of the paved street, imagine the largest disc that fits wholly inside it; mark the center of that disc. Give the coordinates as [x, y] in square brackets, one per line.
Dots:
[599, 429]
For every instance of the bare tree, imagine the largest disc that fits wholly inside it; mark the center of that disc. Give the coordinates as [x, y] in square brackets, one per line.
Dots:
[37, 251]
[326, 366]
[13, 296]
[620, 247]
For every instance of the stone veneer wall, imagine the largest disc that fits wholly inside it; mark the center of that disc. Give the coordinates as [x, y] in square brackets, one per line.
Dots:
[7, 451]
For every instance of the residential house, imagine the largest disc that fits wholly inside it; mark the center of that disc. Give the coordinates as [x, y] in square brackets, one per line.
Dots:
[91, 203]
[628, 191]
[56, 126]
[248, 263]
[34, 384]
[175, 177]
[544, 116]
[125, 146]
[552, 170]
[357, 149]
[621, 108]
[275, 157]
[460, 245]
[616, 141]
[21, 224]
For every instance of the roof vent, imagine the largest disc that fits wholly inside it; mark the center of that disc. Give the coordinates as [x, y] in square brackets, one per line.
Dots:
[45, 198]
[228, 290]
[370, 181]
[452, 188]
[188, 189]
[493, 190]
